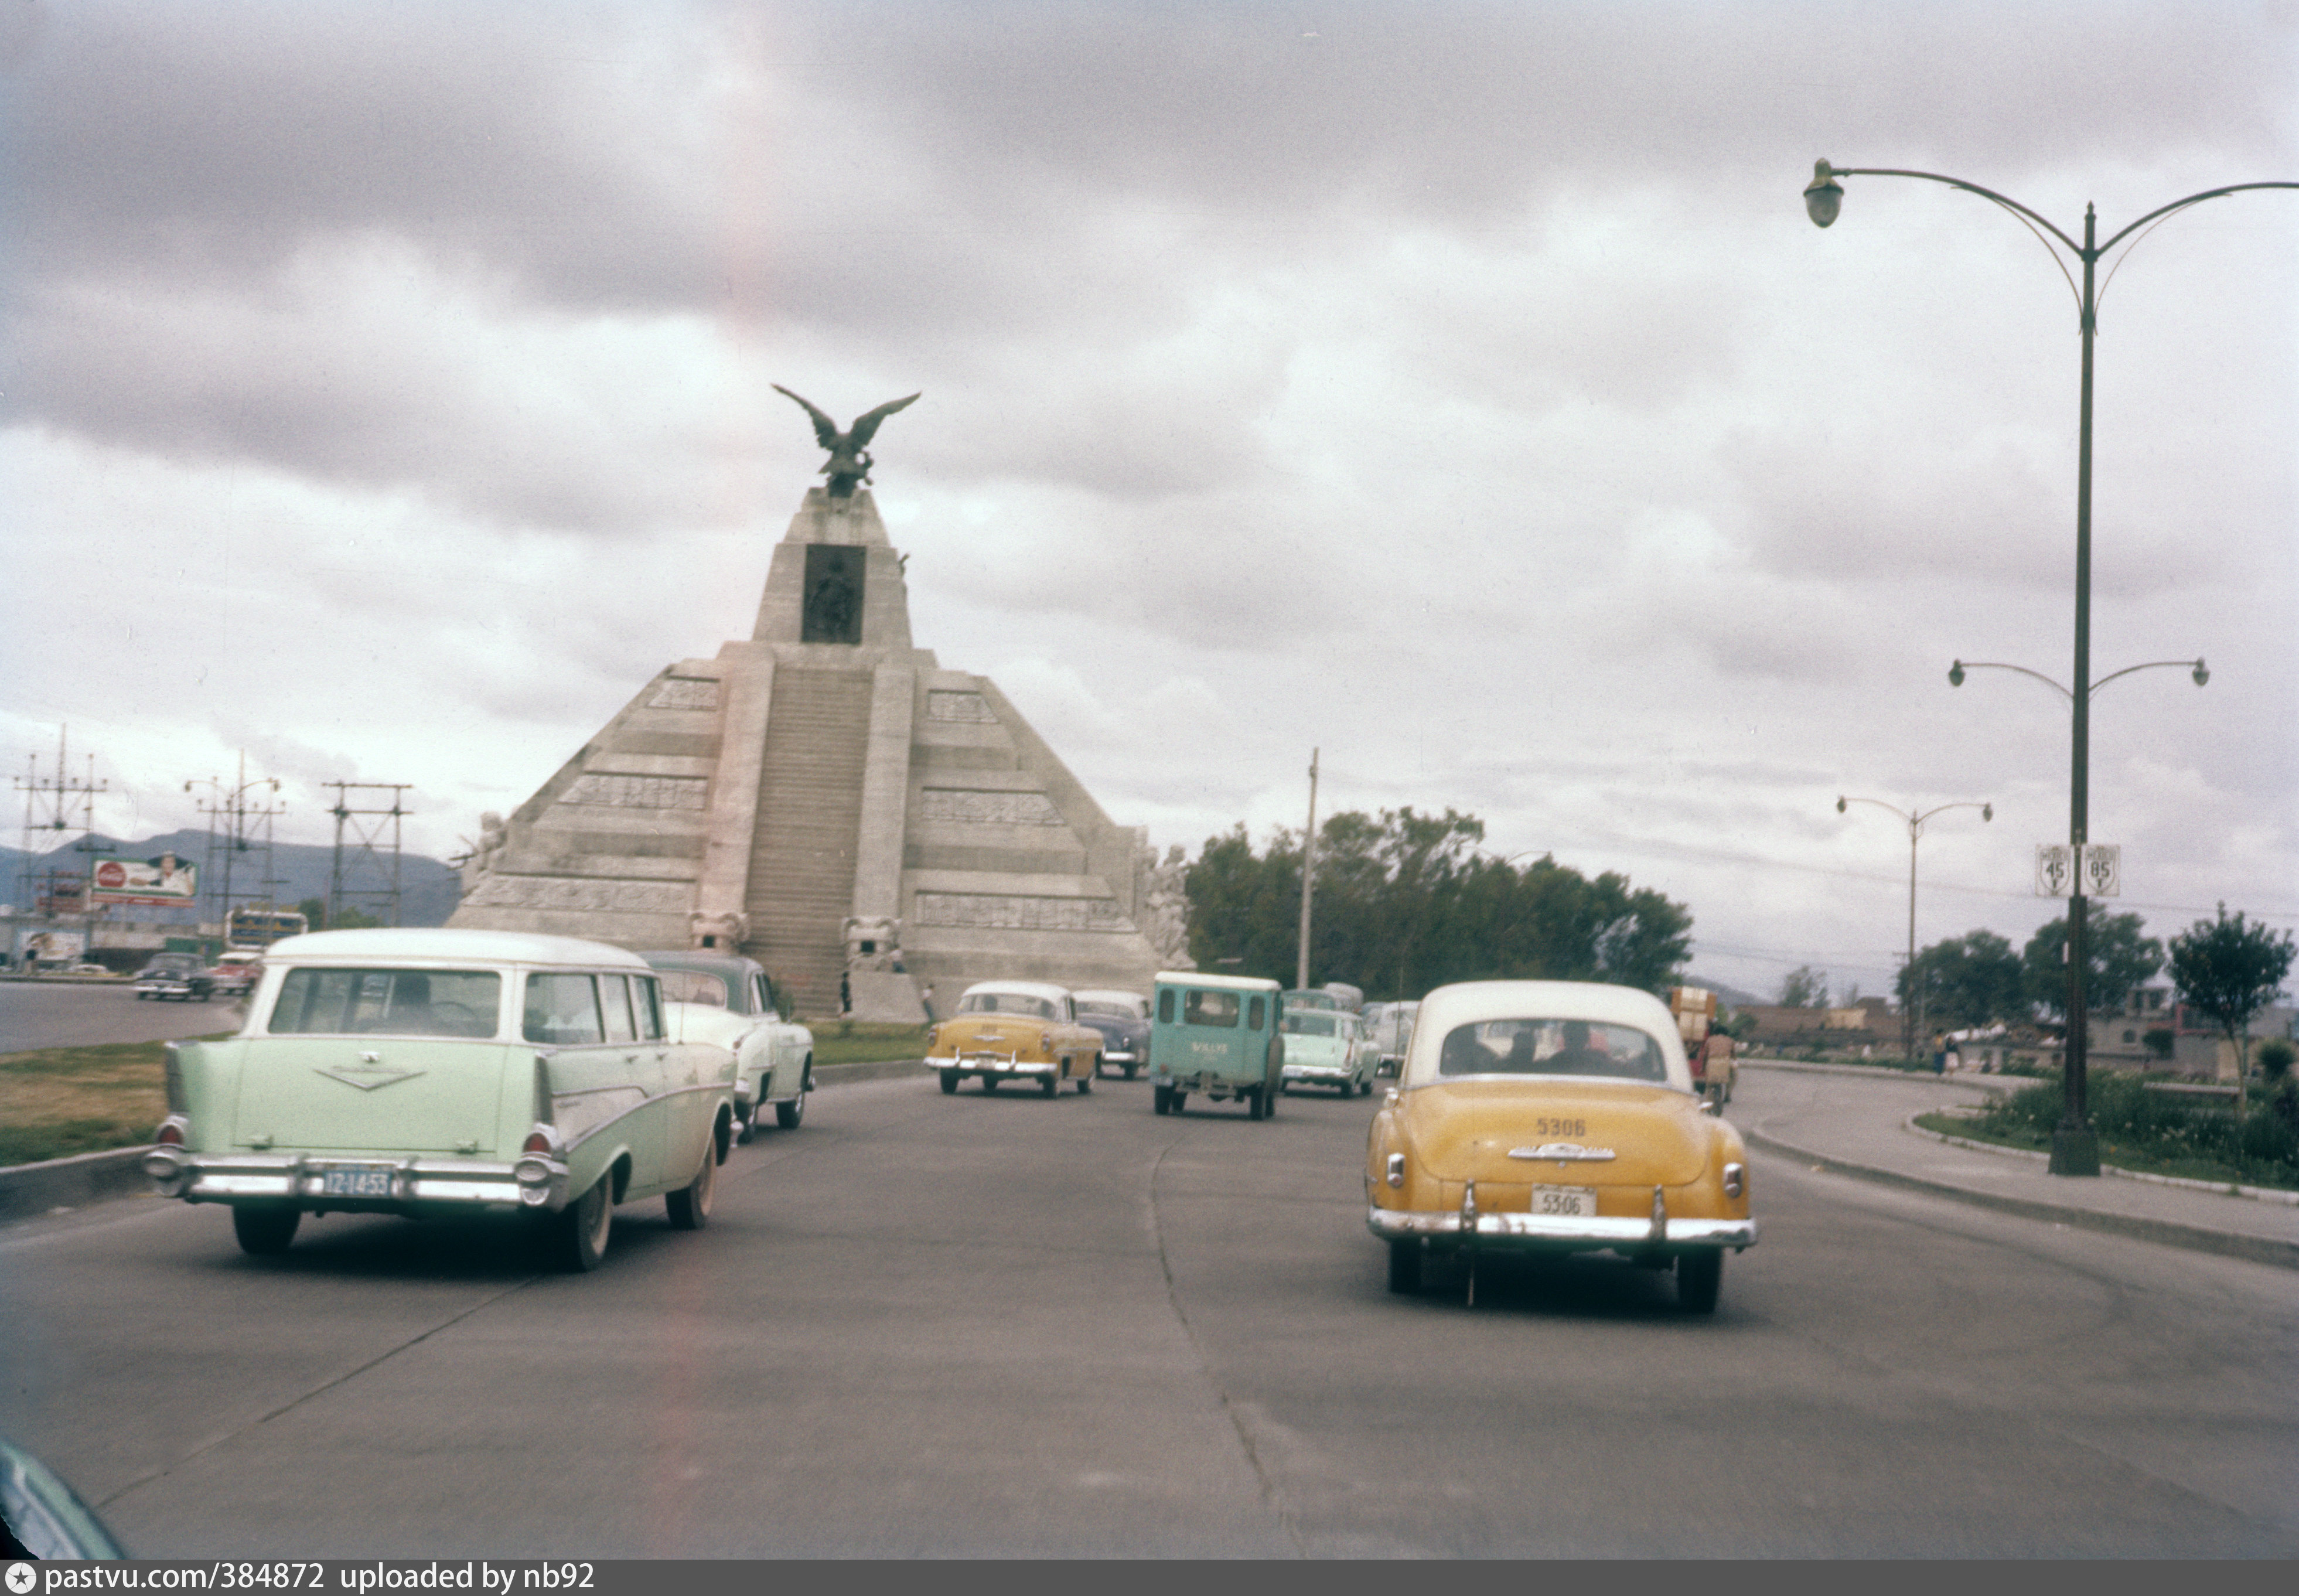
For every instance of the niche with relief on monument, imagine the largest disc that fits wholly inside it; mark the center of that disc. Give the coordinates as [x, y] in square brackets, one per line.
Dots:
[834, 594]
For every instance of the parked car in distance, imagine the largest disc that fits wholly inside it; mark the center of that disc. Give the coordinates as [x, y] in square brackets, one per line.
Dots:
[1218, 1036]
[179, 976]
[727, 998]
[1555, 1117]
[435, 1072]
[233, 973]
[1325, 1047]
[1122, 1018]
[1014, 1031]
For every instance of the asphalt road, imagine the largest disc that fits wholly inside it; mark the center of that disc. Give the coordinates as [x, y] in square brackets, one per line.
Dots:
[925, 1325]
[60, 1013]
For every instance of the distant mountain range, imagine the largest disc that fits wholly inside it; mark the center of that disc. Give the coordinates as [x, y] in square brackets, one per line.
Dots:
[428, 888]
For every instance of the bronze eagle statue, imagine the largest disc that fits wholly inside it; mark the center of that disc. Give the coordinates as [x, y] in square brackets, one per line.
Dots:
[849, 465]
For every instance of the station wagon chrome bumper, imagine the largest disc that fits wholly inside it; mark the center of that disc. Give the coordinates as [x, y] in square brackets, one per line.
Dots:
[303, 1178]
[1535, 1233]
[1316, 1072]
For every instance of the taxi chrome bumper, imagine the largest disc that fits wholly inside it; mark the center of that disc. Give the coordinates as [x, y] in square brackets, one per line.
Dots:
[998, 1064]
[378, 1183]
[1535, 1233]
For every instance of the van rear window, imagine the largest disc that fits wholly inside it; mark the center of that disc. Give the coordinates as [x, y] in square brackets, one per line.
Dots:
[1209, 1009]
[403, 1002]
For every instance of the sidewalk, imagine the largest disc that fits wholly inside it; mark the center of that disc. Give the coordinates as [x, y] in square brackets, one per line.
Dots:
[1858, 1128]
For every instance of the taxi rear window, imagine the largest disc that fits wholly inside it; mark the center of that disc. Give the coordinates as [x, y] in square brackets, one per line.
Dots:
[405, 1002]
[1542, 1045]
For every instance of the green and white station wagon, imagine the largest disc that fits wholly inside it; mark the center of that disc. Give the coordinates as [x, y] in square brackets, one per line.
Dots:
[428, 1072]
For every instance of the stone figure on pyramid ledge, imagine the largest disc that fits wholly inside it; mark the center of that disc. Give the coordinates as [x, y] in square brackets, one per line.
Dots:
[873, 943]
[849, 465]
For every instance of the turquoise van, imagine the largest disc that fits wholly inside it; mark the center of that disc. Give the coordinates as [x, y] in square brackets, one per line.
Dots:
[1218, 1035]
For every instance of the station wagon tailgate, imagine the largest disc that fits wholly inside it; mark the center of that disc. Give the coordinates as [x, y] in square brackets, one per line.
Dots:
[377, 1094]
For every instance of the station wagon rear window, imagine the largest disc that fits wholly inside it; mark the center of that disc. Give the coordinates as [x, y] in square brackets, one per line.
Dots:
[1312, 1025]
[1542, 1045]
[403, 1002]
[1006, 1003]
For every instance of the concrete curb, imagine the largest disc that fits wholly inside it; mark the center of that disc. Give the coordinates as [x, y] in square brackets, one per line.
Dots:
[2217, 1188]
[28, 1191]
[1873, 1072]
[2169, 1233]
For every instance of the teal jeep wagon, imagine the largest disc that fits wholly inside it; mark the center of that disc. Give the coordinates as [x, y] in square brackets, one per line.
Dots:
[1218, 1035]
[428, 1072]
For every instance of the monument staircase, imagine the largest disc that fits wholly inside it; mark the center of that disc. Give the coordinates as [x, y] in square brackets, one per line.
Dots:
[801, 881]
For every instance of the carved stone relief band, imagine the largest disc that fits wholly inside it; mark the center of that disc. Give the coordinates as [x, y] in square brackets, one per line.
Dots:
[685, 693]
[959, 706]
[499, 891]
[1008, 912]
[976, 808]
[637, 792]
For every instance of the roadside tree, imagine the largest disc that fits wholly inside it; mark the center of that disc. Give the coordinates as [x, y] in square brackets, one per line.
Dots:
[2118, 956]
[1805, 987]
[1969, 980]
[2229, 970]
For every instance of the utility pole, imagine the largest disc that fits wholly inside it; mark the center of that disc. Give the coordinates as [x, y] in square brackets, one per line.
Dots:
[365, 828]
[59, 804]
[1308, 874]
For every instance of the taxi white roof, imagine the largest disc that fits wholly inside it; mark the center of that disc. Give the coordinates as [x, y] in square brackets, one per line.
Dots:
[1036, 989]
[440, 944]
[1190, 977]
[1448, 1008]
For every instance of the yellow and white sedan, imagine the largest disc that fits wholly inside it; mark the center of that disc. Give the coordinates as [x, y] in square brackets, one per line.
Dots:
[1015, 1031]
[1555, 1117]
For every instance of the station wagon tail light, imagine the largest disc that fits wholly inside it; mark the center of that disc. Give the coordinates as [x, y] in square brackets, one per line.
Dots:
[172, 1132]
[1736, 1180]
[541, 1141]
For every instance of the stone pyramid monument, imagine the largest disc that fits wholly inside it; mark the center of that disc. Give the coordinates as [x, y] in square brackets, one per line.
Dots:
[828, 800]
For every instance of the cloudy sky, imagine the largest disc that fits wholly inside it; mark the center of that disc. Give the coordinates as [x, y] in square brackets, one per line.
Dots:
[1456, 388]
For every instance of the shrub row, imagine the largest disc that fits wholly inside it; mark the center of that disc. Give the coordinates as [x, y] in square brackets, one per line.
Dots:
[2262, 1145]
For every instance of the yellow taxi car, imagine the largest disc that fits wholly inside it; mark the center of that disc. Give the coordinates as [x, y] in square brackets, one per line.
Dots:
[1015, 1031]
[1555, 1117]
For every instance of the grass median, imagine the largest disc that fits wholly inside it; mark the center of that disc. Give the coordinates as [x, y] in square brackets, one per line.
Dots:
[865, 1042]
[55, 1101]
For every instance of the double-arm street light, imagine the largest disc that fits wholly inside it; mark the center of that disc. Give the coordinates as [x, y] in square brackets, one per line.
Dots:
[2075, 1146]
[1915, 820]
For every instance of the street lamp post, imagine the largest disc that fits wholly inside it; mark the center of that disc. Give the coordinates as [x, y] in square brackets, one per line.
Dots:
[2075, 1146]
[1915, 820]
[2077, 1054]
